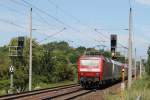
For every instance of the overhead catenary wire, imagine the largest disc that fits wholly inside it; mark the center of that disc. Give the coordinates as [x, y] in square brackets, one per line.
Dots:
[35, 12]
[49, 36]
[43, 19]
[22, 27]
[27, 4]
[65, 12]
[16, 11]
[14, 24]
[52, 35]
[20, 13]
[68, 14]
[51, 16]
[19, 3]
[11, 23]
[12, 9]
[96, 30]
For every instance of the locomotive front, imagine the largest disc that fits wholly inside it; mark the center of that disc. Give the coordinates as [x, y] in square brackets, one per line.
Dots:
[89, 70]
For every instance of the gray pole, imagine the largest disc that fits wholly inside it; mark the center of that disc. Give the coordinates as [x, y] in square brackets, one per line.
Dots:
[30, 59]
[130, 50]
[11, 80]
[140, 67]
[11, 70]
[135, 65]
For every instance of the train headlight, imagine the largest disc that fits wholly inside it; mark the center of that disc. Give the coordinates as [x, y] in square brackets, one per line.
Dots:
[97, 74]
[81, 74]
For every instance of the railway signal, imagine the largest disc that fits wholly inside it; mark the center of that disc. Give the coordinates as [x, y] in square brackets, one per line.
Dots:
[113, 45]
[21, 41]
[20, 45]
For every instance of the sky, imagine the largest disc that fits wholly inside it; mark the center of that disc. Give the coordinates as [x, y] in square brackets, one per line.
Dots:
[75, 21]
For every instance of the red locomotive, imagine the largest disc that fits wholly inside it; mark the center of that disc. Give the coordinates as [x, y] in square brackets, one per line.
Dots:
[97, 70]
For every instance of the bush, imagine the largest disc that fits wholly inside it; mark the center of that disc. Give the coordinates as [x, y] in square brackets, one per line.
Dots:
[4, 84]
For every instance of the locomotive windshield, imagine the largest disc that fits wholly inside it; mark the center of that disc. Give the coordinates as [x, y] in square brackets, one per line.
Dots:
[87, 62]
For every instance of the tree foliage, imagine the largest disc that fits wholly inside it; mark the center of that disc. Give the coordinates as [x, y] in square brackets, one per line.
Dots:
[52, 62]
[4, 62]
[148, 62]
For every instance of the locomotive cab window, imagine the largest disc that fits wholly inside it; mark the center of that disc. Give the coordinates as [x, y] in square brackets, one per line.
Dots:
[92, 62]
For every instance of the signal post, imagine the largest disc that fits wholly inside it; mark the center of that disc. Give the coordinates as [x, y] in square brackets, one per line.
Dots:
[11, 70]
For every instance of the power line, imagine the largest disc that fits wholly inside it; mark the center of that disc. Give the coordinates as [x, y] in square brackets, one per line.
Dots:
[47, 38]
[52, 35]
[42, 11]
[11, 23]
[14, 24]
[11, 9]
[50, 1]
[109, 38]
[96, 30]
[49, 15]
[37, 9]
[20, 13]
[19, 3]
[69, 14]
[43, 19]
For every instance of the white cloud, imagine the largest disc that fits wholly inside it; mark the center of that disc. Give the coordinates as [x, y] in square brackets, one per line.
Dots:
[144, 2]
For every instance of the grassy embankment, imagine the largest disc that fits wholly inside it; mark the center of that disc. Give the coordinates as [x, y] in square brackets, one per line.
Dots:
[140, 90]
[3, 91]
[43, 85]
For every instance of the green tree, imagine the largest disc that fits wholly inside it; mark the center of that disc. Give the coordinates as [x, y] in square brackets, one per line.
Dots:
[148, 62]
[21, 63]
[46, 66]
[4, 62]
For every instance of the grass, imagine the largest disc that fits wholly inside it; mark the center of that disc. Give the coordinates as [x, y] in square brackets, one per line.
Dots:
[44, 85]
[2, 92]
[139, 89]
[4, 85]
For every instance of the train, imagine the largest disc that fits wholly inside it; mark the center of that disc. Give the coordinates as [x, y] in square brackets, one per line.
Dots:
[96, 70]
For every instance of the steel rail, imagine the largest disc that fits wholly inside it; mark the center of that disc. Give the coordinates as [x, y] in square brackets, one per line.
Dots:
[57, 96]
[35, 92]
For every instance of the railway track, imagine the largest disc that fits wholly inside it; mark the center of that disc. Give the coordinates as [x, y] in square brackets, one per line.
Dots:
[66, 92]
[40, 94]
[81, 92]
[70, 95]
